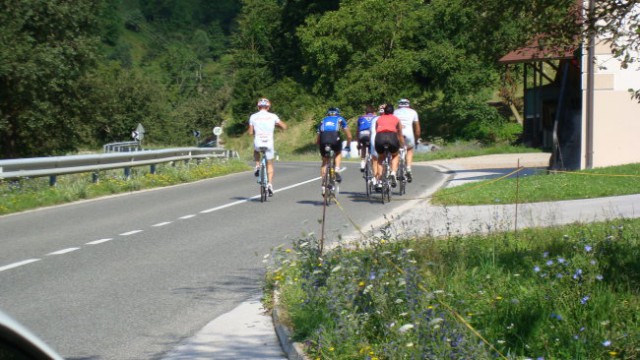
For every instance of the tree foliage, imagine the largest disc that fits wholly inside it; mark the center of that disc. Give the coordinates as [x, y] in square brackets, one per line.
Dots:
[82, 73]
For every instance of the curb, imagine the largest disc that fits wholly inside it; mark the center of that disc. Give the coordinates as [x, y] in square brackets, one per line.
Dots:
[294, 350]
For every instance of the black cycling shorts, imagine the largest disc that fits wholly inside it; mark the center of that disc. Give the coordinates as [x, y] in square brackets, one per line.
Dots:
[387, 138]
[364, 141]
[332, 139]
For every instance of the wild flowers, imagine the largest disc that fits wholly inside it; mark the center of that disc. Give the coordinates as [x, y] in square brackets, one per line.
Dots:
[544, 296]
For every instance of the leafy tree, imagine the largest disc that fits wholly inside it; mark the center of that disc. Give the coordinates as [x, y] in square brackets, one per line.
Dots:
[45, 48]
[253, 53]
[117, 99]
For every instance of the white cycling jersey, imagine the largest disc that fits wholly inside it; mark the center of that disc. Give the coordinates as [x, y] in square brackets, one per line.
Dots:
[407, 117]
[264, 124]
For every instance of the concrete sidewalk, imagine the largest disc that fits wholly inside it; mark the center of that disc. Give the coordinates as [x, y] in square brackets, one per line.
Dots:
[247, 332]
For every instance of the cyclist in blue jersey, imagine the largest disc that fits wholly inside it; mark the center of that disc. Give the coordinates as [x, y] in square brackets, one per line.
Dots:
[364, 134]
[329, 134]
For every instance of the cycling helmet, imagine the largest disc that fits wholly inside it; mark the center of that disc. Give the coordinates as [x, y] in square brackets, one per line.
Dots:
[264, 102]
[403, 103]
[381, 108]
[333, 111]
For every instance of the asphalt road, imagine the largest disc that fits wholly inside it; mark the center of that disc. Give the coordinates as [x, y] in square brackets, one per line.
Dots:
[130, 276]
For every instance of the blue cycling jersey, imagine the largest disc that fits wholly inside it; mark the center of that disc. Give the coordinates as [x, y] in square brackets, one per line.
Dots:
[332, 123]
[364, 122]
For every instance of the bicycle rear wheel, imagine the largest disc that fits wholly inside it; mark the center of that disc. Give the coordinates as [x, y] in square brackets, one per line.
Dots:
[367, 178]
[385, 181]
[263, 183]
[402, 178]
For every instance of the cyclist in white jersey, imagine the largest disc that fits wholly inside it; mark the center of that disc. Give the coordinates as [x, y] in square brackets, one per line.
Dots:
[410, 129]
[262, 125]
[372, 148]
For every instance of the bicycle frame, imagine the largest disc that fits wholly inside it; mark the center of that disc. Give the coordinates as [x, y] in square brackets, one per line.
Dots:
[329, 185]
[386, 174]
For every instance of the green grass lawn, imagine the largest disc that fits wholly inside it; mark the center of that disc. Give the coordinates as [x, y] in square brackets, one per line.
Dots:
[600, 182]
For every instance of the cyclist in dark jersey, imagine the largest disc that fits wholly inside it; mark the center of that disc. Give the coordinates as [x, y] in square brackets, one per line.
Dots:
[329, 134]
[364, 134]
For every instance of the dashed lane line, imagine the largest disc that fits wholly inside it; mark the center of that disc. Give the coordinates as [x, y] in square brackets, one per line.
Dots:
[16, 264]
[63, 251]
[100, 241]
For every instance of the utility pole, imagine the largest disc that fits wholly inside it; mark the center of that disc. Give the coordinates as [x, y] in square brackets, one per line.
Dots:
[590, 84]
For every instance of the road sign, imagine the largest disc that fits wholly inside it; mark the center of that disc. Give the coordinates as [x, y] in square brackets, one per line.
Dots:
[196, 133]
[217, 131]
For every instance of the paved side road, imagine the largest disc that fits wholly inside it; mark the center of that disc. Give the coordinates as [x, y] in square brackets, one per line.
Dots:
[247, 332]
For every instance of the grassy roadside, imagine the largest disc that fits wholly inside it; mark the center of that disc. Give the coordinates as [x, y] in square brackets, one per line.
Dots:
[26, 194]
[600, 182]
[568, 292]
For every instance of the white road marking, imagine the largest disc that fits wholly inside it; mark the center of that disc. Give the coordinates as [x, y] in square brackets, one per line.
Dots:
[100, 241]
[255, 197]
[96, 242]
[63, 251]
[19, 263]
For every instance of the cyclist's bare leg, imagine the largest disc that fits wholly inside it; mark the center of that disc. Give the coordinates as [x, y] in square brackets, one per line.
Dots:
[323, 169]
[395, 161]
[338, 159]
[378, 166]
[256, 157]
[375, 166]
[409, 157]
[270, 171]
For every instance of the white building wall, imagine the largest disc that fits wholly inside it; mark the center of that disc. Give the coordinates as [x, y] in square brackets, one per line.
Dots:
[616, 117]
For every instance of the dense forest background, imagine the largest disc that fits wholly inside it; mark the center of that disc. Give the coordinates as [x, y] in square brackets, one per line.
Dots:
[78, 74]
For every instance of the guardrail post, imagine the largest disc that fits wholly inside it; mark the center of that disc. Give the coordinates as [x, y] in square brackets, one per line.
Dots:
[94, 177]
[152, 169]
[127, 172]
[52, 180]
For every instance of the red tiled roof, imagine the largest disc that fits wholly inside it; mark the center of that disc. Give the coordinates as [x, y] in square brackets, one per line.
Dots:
[536, 52]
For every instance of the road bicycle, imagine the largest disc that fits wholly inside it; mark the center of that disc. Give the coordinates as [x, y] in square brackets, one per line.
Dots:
[329, 184]
[368, 174]
[385, 179]
[263, 178]
[402, 171]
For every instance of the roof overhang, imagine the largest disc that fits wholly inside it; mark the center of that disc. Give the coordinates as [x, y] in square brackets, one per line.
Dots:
[537, 51]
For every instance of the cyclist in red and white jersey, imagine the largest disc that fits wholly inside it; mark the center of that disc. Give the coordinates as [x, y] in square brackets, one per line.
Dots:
[389, 133]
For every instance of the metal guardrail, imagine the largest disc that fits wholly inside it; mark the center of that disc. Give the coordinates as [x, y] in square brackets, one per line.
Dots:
[63, 165]
[125, 146]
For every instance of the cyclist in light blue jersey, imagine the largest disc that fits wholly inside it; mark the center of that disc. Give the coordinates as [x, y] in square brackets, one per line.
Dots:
[329, 134]
[364, 134]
